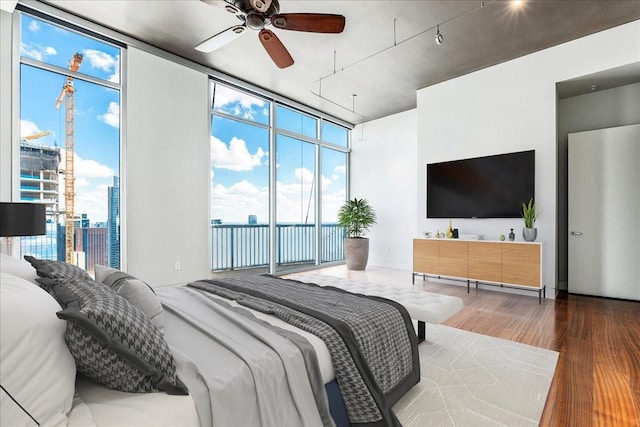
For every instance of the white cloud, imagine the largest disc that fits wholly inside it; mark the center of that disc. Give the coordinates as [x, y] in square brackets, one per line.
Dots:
[82, 182]
[105, 62]
[234, 204]
[100, 60]
[34, 26]
[225, 96]
[326, 182]
[115, 77]
[27, 128]
[91, 182]
[112, 116]
[37, 52]
[92, 201]
[304, 175]
[341, 169]
[87, 168]
[234, 157]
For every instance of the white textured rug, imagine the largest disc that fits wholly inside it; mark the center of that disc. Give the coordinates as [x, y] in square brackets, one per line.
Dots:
[470, 379]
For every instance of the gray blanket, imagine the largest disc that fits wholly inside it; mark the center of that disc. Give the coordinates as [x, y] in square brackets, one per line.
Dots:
[240, 370]
[371, 340]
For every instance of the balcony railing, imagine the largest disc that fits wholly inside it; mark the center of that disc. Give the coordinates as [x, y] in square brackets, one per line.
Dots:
[246, 246]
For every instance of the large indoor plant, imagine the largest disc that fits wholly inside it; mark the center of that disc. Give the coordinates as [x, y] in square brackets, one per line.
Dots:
[356, 216]
[529, 215]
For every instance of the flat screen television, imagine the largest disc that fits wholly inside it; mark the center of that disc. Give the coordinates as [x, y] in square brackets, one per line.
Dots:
[481, 187]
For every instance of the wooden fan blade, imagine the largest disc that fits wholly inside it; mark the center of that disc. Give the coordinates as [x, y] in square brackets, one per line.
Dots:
[276, 50]
[309, 22]
[221, 39]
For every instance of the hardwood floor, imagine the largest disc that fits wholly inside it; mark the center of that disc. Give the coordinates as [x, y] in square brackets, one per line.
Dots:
[597, 380]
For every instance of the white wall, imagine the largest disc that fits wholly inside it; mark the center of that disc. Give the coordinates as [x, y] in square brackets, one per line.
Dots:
[512, 107]
[167, 171]
[598, 110]
[383, 171]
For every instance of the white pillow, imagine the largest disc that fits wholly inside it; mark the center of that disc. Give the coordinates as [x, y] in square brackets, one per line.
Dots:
[37, 369]
[18, 267]
[134, 290]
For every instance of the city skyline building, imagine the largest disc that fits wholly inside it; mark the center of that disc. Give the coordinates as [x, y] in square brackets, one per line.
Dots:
[113, 224]
[39, 183]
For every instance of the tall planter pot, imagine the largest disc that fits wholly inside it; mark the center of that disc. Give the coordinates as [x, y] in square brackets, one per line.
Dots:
[356, 252]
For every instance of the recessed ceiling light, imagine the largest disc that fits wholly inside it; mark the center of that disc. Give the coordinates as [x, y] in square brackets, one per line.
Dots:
[517, 4]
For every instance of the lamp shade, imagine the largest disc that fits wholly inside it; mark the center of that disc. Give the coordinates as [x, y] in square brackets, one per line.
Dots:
[22, 219]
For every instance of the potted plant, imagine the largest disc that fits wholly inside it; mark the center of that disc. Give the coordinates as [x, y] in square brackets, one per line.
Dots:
[529, 232]
[356, 216]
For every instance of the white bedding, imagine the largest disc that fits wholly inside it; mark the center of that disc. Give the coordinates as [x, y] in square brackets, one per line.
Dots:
[322, 352]
[109, 408]
[102, 407]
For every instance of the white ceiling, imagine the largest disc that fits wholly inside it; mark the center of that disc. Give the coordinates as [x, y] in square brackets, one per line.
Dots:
[382, 66]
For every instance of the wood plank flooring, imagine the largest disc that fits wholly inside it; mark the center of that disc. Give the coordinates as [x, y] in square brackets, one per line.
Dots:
[597, 380]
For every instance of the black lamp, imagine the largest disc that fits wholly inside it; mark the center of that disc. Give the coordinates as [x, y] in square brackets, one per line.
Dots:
[21, 219]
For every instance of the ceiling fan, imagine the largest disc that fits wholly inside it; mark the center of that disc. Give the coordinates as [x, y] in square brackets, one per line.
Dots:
[257, 14]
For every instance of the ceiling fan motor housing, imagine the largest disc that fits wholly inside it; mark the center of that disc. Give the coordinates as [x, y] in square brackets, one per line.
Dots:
[255, 20]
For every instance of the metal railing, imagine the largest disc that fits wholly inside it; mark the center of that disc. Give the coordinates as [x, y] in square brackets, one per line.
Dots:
[236, 246]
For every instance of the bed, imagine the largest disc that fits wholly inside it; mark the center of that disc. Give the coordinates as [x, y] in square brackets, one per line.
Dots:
[232, 352]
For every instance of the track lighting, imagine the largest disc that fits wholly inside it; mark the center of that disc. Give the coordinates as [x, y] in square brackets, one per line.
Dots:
[439, 37]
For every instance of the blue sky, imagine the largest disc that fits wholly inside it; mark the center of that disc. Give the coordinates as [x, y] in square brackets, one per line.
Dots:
[239, 152]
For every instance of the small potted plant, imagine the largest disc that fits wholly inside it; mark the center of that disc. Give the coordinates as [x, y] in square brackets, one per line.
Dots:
[356, 216]
[529, 215]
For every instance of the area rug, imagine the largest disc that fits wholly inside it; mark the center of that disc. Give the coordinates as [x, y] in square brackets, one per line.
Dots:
[470, 379]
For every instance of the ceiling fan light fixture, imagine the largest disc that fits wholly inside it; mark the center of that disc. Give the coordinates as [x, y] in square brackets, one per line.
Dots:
[439, 37]
[260, 5]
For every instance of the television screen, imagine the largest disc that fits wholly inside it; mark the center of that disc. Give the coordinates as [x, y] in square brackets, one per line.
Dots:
[482, 187]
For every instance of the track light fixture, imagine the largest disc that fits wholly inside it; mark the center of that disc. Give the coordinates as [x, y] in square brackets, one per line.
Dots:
[439, 37]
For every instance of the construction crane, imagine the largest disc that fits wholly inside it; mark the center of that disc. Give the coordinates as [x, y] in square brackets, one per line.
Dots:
[35, 136]
[67, 95]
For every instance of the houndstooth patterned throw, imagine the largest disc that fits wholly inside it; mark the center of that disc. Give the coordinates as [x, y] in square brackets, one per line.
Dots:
[381, 335]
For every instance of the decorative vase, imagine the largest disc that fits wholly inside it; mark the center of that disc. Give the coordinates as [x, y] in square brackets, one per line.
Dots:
[512, 235]
[529, 234]
[449, 233]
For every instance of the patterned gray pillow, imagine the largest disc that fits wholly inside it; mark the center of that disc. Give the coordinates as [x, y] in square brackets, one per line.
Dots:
[133, 290]
[112, 341]
[57, 269]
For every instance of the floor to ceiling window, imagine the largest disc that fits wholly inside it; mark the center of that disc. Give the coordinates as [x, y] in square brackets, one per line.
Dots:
[302, 184]
[70, 141]
[239, 179]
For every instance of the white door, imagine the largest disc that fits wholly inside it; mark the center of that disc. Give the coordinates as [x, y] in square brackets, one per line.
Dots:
[604, 212]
